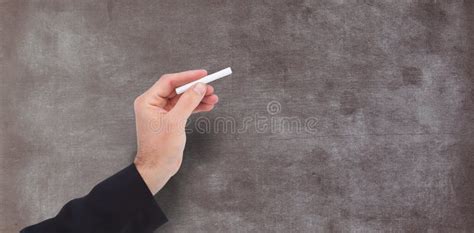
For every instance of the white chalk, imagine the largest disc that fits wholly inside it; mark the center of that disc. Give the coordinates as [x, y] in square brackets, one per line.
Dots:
[207, 79]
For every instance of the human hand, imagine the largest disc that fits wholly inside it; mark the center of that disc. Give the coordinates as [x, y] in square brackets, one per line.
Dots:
[161, 116]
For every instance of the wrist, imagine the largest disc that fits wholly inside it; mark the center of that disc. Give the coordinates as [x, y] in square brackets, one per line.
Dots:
[155, 177]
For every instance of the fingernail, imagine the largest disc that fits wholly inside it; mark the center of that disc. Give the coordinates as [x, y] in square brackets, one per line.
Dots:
[200, 88]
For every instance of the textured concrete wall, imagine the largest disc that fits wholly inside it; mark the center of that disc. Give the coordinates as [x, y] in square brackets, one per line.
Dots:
[389, 82]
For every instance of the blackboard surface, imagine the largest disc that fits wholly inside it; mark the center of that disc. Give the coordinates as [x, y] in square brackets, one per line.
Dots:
[366, 110]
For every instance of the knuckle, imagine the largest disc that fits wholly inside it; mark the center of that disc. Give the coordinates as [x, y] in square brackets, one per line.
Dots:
[165, 77]
[138, 101]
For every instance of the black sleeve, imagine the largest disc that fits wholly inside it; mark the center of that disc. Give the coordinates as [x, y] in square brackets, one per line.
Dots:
[121, 203]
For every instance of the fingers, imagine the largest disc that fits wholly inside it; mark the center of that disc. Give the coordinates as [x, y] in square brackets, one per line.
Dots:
[202, 107]
[212, 99]
[167, 84]
[207, 104]
[210, 90]
[188, 101]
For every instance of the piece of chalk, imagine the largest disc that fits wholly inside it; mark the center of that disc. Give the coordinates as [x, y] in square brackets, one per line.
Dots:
[206, 79]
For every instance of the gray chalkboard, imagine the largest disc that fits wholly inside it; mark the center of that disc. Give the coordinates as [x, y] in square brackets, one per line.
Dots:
[366, 110]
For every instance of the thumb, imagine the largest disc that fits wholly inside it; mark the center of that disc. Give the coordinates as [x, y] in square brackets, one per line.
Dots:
[189, 101]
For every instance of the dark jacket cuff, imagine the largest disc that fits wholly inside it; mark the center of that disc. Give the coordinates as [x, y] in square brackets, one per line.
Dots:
[121, 203]
[127, 196]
